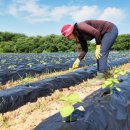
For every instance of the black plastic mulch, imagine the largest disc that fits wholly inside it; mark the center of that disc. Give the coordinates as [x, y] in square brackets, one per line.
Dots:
[108, 112]
[15, 97]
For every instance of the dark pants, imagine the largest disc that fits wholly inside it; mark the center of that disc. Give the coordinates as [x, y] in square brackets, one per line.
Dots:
[106, 43]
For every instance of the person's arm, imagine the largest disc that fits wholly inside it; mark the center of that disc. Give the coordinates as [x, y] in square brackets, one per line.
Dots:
[95, 33]
[90, 30]
[84, 48]
[82, 54]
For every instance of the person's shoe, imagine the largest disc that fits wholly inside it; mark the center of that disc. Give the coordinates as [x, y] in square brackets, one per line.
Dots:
[100, 76]
[98, 80]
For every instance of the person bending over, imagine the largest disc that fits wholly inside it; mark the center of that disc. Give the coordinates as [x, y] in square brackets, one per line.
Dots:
[104, 33]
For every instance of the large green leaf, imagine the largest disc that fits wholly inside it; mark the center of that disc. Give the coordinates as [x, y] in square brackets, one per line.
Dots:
[104, 86]
[66, 110]
[74, 98]
[116, 81]
[108, 82]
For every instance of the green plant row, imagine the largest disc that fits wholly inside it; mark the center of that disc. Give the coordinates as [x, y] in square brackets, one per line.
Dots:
[69, 100]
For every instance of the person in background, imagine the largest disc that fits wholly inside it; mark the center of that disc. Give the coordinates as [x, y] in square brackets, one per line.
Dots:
[104, 33]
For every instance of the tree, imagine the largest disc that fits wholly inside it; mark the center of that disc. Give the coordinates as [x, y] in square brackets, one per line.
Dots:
[19, 43]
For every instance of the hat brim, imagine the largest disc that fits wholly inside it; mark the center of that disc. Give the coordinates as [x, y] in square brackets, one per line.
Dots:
[69, 32]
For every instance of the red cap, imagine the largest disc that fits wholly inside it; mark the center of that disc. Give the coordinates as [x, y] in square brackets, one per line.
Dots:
[67, 30]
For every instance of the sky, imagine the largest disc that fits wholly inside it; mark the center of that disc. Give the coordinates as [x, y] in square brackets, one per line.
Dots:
[46, 17]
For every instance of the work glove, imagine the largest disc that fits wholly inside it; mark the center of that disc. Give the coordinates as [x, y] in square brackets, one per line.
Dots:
[97, 52]
[76, 64]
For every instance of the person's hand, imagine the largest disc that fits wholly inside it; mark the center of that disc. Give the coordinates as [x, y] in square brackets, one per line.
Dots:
[76, 64]
[97, 52]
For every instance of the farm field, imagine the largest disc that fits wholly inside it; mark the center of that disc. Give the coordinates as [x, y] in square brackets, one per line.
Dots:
[30, 115]
[18, 66]
[64, 65]
[25, 115]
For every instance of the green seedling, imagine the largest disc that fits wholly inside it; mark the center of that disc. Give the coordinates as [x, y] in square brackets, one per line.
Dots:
[26, 80]
[115, 74]
[43, 62]
[30, 65]
[57, 62]
[68, 108]
[118, 72]
[111, 83]
[12, 67]
[3, 61]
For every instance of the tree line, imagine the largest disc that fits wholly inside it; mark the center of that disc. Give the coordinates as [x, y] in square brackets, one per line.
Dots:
[20, 43]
